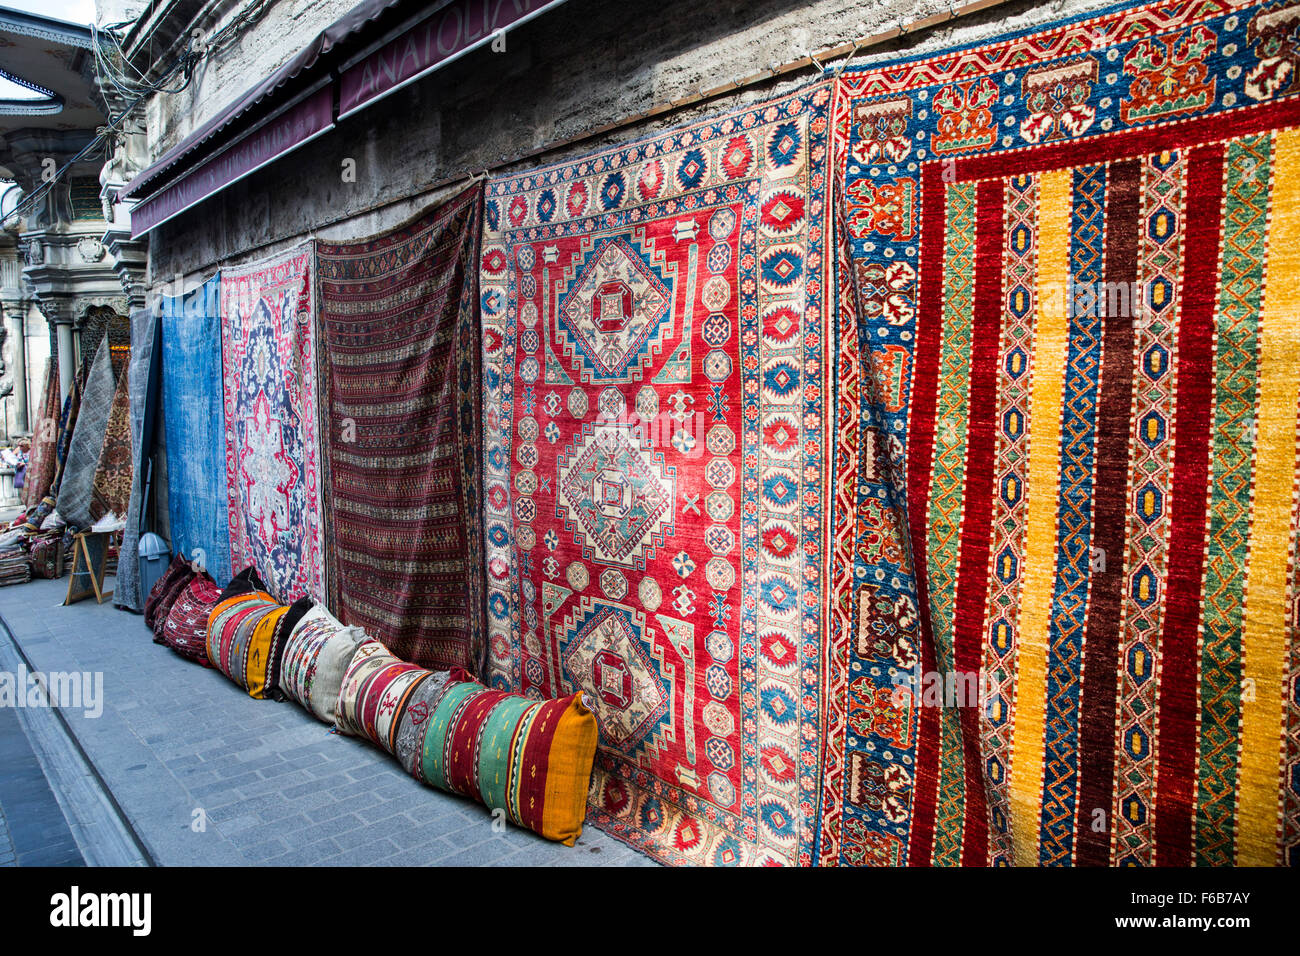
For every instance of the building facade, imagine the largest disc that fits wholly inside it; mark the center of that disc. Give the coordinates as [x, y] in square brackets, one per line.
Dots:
[65, 277]
[578, 74]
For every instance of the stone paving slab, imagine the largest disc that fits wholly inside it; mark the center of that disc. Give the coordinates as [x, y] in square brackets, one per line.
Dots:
[208, 776]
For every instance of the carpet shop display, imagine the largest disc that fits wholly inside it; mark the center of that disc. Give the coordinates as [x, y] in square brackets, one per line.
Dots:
[70, 409]
[86, 440]
[15, 568]
[316, 657]
[198, 498]
[399, 383]
[531, 758]
[45, 438]
[246, 635]
[46, 554]
[901, 470]
[110, 493]
[653, 385]
[268, 358]
[144, 375]
[1070, 398]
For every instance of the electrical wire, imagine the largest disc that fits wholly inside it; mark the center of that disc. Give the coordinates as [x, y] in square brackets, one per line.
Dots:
[137, 92]
[137, 88]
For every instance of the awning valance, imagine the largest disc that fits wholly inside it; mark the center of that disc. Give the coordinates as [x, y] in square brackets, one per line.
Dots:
[281, 133]
[441, 38]
[361, 58]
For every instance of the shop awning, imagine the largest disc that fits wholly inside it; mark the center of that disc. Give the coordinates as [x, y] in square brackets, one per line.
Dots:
[362, 57]
[300, 123]
[443, 37]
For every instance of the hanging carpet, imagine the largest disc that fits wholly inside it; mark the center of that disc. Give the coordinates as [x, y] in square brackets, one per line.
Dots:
[272, 457]
[111, 491]
[45, 439]
[76, 486]
[654, 383]
[197, 497]
[70, 408]
[1065, 588]
[143, 375]
[399, 358]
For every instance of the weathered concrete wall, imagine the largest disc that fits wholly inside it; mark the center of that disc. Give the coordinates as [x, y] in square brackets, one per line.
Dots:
[584, 65]
[284, 28]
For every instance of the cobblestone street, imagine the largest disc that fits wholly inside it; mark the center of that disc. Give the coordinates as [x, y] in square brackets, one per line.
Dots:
[197, 772]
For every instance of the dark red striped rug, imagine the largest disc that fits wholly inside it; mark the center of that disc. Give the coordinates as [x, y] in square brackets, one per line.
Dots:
[399, 378]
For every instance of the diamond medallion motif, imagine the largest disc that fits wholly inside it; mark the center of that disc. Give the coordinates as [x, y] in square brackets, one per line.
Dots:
[617, 312]
[608, 653]
[616, 495]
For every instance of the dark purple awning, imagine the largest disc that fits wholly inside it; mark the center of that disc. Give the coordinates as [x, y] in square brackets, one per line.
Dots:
[271, 139]
[343, 29]
[444, 36]
[257, 127]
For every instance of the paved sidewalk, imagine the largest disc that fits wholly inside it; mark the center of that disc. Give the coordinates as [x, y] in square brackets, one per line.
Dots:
[206, 775]
[33, 830]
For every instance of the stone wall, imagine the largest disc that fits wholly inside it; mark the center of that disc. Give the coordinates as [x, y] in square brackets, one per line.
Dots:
[281, 31]
[581, 66]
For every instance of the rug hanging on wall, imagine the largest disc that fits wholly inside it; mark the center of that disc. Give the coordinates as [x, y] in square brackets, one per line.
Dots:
[76, 487]
[143, 375]
[399, 371]
[272, 457]
[198, 503]
[111, 491]
[1072, 399]
[654, 445]
[45, 439]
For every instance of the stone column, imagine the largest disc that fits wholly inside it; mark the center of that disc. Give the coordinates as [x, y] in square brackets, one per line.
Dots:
[67, 357]
[13, 302]
[16, 317]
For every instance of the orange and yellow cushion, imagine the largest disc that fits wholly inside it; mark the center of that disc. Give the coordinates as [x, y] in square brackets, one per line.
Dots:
[530, 758]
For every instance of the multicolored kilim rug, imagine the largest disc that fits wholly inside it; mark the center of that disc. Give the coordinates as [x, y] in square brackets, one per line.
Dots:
[268, 356]
[198, 499]
[1070, 399]
[399, 372]
[111, 491]
[45, 439]
[654, 453]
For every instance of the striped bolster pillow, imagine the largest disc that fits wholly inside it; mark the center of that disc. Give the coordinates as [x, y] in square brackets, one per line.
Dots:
[245, 639]
[316, 658]
[530, 758]
[374, 692]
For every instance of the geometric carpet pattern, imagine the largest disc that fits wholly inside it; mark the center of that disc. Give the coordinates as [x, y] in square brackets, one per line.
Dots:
[1065, 587]
[654, 379]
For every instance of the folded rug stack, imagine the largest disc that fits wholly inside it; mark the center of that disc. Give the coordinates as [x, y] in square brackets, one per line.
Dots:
[15, 568]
